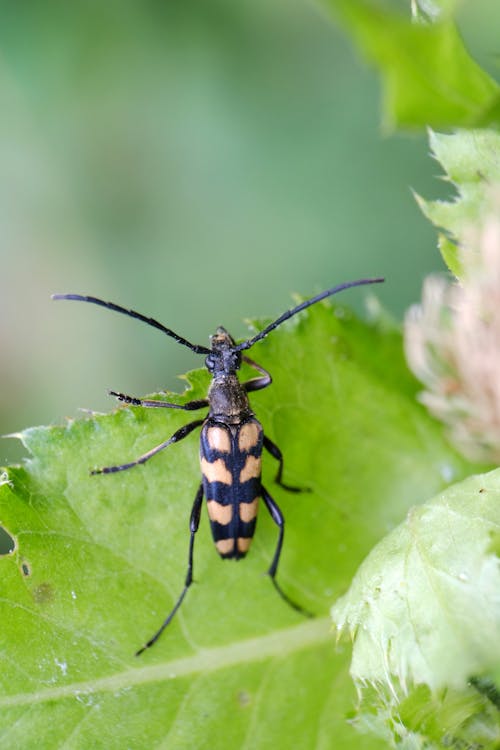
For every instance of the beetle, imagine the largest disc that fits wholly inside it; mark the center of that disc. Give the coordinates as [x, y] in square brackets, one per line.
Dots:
[231, 443]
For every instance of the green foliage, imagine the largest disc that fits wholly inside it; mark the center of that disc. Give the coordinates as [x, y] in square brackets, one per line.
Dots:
[470, 160]
[90, 565]
[427, 74]
[424, 611]
[100, 559]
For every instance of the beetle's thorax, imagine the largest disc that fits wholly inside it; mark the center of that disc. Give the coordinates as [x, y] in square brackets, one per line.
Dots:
[228, 399]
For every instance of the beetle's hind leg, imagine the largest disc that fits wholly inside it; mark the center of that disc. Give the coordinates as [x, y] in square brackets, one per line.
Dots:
[178, 435]
[277, 454]
[279, 520]
[194, 523]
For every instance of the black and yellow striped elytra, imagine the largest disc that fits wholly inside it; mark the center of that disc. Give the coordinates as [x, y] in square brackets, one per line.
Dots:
[230, 457]
[231, 443]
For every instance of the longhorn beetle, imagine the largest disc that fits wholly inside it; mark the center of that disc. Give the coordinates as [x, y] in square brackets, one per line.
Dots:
[230, 446]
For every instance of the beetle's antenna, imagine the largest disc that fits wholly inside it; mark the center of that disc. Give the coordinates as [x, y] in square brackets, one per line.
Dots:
[133, 314]
[303, 305]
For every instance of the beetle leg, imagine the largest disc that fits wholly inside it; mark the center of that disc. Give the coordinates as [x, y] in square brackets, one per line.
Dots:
[256, 384]
[277, 454]
[190, 406]
[278, 519]
[194, 522]
[179, 435]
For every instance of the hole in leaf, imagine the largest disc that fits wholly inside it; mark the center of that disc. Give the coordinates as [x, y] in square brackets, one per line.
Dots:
[25, 568]
[7, 542]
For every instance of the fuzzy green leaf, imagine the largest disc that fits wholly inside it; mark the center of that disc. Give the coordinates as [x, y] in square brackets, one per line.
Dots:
[470, 161]
[428, 76]
[424, 611]
[99, 560]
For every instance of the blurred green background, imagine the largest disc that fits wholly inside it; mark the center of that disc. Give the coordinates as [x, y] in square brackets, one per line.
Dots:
[199, 161]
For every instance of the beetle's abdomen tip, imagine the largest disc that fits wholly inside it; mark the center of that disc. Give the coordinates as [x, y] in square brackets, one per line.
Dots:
[233, 549]
[233, 555]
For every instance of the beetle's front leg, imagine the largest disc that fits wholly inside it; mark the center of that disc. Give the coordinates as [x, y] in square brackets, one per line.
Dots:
[257, 384]
[190, 406]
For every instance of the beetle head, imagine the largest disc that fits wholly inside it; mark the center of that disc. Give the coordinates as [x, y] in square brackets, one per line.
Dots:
[223, 358]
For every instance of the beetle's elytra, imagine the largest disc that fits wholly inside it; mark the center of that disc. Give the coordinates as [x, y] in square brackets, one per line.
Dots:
[231, 468]
[231, 443]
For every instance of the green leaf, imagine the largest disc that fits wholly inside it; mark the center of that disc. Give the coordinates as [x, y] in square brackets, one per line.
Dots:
[450, 254]
[470, 161]
[428, 76]
[99, 560]
[424, 612]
